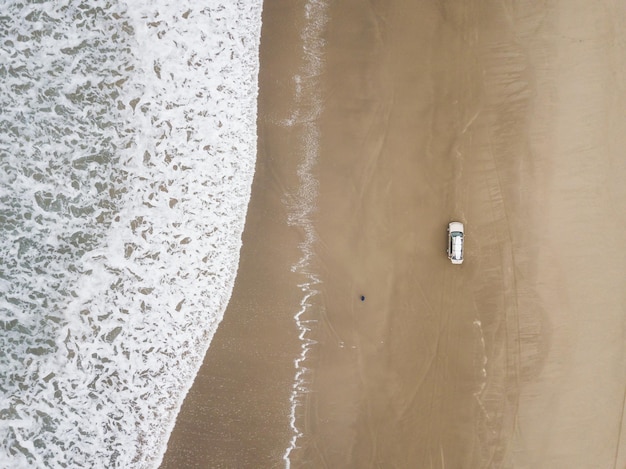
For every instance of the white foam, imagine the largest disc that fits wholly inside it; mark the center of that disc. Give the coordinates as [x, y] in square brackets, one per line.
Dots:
[303, 205]
[127, 153]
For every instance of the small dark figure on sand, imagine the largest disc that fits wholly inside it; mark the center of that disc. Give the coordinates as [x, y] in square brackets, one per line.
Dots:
[362, 298]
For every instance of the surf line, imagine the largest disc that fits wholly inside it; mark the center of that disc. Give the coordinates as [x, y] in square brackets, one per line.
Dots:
[302, 206]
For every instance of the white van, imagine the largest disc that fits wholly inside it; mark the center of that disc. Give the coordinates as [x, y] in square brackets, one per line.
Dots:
[456, 235]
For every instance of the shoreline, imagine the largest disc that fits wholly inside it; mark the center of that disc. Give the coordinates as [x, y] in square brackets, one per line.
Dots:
[246, 379]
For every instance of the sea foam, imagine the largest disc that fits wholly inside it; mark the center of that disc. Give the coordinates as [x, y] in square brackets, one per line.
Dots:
[302, 206]
[127, 150]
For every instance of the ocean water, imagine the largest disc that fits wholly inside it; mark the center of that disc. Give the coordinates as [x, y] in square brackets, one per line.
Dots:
[127, 150]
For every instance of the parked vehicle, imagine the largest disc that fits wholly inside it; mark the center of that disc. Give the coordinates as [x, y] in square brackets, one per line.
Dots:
[456, 238]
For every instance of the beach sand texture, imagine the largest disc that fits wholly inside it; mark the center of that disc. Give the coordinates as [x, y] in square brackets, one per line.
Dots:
[506, 115]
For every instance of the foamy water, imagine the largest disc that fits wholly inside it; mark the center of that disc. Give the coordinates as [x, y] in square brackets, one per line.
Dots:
[302, 207]
[127, 149]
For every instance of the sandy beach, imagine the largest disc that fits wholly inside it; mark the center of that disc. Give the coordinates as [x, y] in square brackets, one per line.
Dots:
[507, 116]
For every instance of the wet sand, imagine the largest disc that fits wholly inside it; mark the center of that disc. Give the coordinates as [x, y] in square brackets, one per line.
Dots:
[508, 116]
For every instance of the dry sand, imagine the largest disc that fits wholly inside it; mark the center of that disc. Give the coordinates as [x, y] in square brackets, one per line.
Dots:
[506, 115]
